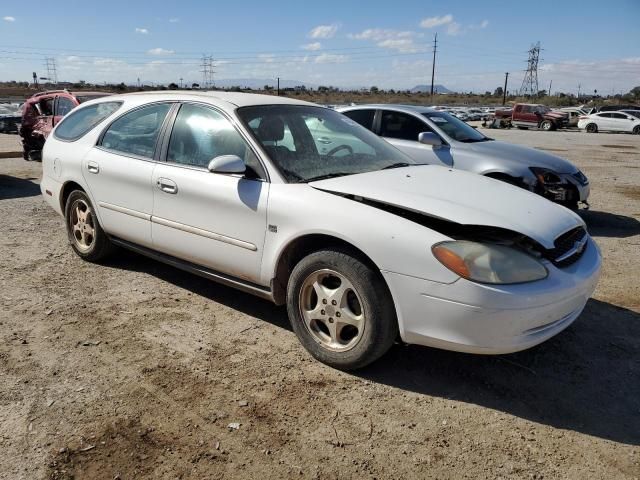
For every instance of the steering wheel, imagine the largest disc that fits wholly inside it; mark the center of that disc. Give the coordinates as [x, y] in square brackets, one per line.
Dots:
[334, 150]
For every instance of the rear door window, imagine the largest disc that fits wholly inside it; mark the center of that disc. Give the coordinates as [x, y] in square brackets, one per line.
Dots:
[401, 125]
[136, 132]
[364, 117]
[83, 120]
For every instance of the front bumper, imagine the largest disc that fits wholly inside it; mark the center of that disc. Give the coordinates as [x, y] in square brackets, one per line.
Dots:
[493, 319]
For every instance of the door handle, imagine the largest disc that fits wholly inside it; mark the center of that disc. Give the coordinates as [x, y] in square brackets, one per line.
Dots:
[93, 167]
[325, 140]
[166, 185]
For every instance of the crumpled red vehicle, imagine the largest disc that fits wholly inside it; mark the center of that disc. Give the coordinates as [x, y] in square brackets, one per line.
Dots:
[43, 111]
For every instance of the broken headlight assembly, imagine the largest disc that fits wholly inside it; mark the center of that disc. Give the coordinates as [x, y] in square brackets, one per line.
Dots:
[546, 176]
[489, 263]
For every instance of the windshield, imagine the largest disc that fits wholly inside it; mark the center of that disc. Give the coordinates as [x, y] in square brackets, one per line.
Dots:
[308, 143]
[455, 128]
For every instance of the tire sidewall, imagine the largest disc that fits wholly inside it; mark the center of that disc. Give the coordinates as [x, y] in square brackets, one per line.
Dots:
[376, 303]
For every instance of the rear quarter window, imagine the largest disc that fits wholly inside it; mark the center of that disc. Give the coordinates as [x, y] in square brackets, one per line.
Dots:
[80, 122]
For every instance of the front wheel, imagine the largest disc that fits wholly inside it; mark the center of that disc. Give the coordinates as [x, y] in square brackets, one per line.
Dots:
[85, 234]
[546, 125]
[592, 128]
[341, 309]
[636, 130]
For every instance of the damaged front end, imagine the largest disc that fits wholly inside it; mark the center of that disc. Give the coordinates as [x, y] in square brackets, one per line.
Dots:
[567, 248]
[560, 188]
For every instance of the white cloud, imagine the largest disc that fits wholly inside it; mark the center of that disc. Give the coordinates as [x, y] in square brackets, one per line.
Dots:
[324, 31]
[160, 51]
[267, 57]
[174, 20]
[484, 24]
[400, 40]
[142, 31]
[312, 46]
[404, 45]
[9, 19]
[431, 22]
[331, 58]
[454, 28]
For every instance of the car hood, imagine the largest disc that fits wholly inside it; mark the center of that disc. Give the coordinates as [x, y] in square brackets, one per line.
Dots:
[461, 197]
[529, 157]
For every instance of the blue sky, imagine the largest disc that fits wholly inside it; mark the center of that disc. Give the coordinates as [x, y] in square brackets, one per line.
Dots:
[384, 43]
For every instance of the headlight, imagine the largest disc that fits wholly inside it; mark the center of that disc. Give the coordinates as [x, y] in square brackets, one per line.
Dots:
[545, 176]
[488, 263]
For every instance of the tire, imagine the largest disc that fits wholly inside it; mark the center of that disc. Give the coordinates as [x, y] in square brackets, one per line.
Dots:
[636, 130]
[368, 325]
[85, 234]
[591, 128]
[547, 126]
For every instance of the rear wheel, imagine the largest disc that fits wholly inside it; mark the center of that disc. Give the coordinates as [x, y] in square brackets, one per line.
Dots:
[341, 309]
[85, 234]
[592, 128]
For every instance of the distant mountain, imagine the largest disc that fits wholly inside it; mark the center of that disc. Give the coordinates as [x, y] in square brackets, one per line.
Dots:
[427, 88]
[259, 83]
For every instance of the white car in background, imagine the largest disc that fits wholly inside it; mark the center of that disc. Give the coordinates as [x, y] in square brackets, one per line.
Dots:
[300, 205]
[613, 121]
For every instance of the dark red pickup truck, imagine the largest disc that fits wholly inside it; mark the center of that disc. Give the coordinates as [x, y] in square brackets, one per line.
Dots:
[529, 115]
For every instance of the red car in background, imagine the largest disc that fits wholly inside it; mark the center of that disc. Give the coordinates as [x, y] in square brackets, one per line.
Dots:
[42, 111]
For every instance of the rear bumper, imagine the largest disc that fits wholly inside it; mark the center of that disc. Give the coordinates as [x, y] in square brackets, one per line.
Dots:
[51, 190]
[493, 319]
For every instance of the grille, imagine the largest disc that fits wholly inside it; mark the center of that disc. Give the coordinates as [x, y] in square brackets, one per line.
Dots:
[565, 244]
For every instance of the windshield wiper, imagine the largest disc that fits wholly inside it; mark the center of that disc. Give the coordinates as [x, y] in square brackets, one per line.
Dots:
[326, 176]
[402, 164]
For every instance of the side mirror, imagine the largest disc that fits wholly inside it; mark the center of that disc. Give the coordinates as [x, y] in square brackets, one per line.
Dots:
[227, 164]
[429, 138]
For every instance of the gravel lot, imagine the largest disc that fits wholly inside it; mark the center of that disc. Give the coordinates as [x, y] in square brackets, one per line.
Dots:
[133, 369]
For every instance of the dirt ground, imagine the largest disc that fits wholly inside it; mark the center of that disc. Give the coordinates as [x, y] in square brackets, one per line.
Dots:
[133, 369]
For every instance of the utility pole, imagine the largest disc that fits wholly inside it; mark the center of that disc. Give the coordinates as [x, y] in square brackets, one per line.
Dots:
[550, 83]
[504, 92]
[433, 66]
[278, 86]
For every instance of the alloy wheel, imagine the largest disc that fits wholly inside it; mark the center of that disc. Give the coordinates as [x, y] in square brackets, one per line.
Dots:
[331, 310]
[82, 225]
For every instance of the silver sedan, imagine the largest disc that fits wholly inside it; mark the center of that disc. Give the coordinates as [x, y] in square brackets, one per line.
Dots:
[435, 137]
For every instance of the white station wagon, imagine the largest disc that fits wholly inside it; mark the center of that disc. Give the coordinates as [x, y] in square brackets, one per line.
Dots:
[364, 246]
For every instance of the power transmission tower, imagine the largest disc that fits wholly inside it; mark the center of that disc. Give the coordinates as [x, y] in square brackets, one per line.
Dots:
[433, 66]
[530, 80]
[52, 71]
[207, 71]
